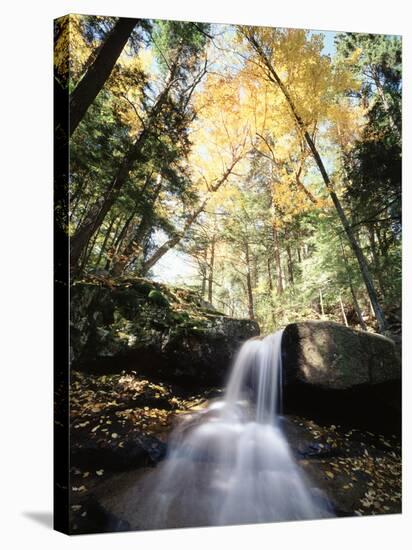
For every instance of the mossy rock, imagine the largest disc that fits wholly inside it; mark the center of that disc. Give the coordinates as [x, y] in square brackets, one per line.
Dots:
[162, 333]
[158, 298]
[180, 317]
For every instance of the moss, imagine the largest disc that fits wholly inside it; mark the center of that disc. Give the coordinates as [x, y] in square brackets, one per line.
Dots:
[179, 317]
[143, 287]
[114, 318]
[156, 297]
[200, 329]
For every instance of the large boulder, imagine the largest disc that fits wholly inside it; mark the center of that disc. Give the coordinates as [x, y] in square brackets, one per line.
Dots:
[335, 373]
[332, 356]
[164, 332]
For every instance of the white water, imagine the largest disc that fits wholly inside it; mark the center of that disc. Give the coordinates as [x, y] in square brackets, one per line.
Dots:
[231, 463]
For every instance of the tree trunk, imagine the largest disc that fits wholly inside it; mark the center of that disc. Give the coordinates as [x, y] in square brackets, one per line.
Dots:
[160, 252]
[133, 247]
[376, 261]
[106, 239]
[274, 77]
[249, 284]
[352, 290]
[99, 71]
[131, 250]
[118, 238]
[211, 272]
[88, 252]
[290, 265]
[278, 263]
[82, 214]
[357, 308]
[270, 275]
[345, 320]
[203, 270]
[322, 311]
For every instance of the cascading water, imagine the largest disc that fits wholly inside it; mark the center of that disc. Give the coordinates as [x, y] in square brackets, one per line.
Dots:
[231, 463]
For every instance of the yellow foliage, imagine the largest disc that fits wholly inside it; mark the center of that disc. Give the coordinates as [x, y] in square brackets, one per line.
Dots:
[354, 57]
[220, 132]
[71, 51]
[346, 123]
[125, 86]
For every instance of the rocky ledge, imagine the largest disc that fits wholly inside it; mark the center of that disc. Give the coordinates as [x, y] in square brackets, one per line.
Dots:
[167, 333]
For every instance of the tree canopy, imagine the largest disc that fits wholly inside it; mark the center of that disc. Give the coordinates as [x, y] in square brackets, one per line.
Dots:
[269, 164]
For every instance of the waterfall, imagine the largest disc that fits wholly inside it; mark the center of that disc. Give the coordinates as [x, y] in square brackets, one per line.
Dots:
[231, 463]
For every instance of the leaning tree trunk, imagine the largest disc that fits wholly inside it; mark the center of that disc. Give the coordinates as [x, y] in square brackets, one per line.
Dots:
[97, 213]
[367, 279]
[357, 307]
[274, 77]
[133, 244]
[342, 309]
[351, 288]
[116, 241]
[99, 71]
[104, 245]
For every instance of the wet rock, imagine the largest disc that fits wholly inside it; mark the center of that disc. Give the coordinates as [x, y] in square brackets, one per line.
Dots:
[91, 517]
[119, 447]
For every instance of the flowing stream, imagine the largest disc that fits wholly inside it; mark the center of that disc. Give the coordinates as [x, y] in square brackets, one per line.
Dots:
[231, 463]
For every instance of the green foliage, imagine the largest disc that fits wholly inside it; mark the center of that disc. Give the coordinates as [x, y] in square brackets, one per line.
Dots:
[169, 36]
[373, 166]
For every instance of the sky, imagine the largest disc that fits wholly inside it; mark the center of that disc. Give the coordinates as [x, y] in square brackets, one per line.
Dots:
[175, 268]
[328, 44]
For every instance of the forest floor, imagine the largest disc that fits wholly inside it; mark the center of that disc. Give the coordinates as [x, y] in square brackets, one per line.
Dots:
[119, 431]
